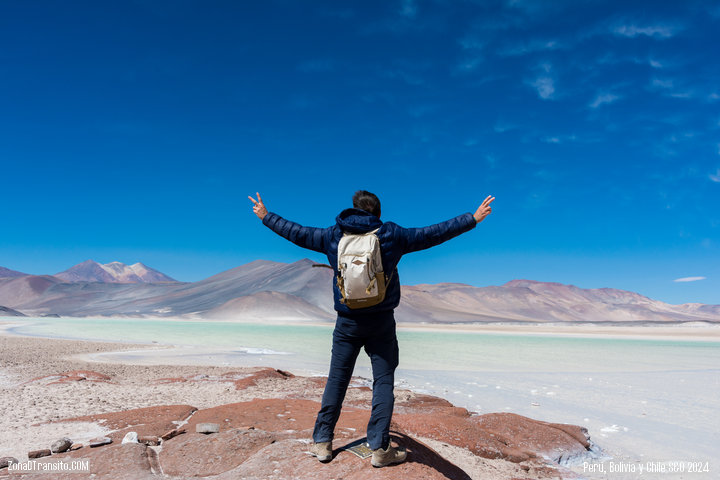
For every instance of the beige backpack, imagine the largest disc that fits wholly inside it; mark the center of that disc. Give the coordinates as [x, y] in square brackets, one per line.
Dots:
[361, 279]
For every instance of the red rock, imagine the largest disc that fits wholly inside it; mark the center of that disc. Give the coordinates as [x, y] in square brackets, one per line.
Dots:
[542, 438]
[113, 462]
[75, 446]
[172, 433]
[45, 452]
[145, 421]
[221, 452]
[274, 415]
[289, 459]
[267, 438]
[74, 376]
[138, 416]
[428, 403]
[261, 375]
[451, 429]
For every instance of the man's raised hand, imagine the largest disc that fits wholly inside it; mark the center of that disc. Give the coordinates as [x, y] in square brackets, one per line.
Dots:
[258, 206]
[484, 209]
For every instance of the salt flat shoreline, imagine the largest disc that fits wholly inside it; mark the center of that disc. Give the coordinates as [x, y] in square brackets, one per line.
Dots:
[701, 332]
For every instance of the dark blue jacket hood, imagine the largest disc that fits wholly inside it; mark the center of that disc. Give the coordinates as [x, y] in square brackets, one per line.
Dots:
[354, 220]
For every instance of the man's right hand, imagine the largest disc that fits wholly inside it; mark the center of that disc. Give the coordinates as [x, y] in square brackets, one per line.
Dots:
[484, 209]
[258, 207]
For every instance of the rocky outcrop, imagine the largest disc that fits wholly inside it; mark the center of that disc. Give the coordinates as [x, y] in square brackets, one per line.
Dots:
[269, 438]
[266, 373]
[72, 376]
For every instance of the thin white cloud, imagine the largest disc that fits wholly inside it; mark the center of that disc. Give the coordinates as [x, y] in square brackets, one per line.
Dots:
[658, 83]
[689, 279]
[603, 98]
[545, 87]
[559, 139]
[716, 177]
[671, 88]
[685, 94]
[655, 64]
[653, 31]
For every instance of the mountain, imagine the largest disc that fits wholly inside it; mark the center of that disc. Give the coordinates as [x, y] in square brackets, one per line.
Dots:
[7, 273]
[9, 312]
[296, 291]
[262, 305]
[542, 302]
[24, 290]
[113, 272]
[225, 295]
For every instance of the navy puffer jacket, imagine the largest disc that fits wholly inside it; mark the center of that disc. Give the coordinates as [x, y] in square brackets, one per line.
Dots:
[395, 241]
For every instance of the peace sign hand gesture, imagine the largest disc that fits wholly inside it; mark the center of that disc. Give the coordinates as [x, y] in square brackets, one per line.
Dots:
[484, 209]
[259, 207]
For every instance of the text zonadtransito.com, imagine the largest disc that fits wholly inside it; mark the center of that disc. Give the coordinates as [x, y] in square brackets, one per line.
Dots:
[57, 466]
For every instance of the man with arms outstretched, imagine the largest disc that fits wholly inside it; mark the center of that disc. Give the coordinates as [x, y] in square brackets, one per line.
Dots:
[372, 327]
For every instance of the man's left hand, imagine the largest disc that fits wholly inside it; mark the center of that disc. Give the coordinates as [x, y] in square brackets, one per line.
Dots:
[484, 209]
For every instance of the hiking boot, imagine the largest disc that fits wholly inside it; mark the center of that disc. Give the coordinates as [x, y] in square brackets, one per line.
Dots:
[383, 458]
[322, 450]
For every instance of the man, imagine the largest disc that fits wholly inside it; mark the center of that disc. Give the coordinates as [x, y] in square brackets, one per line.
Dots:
[371, 327]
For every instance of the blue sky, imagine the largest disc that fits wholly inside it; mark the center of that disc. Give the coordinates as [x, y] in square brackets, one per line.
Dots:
[134, 131]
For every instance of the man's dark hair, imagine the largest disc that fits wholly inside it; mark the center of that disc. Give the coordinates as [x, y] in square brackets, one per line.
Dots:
[367, 201]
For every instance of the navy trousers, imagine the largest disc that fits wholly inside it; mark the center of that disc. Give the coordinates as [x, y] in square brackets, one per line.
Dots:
[376, 333]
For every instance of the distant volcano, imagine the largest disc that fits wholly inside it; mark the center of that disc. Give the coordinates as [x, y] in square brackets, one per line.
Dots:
[113, 272]
[7, 273]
